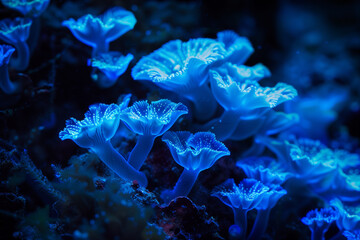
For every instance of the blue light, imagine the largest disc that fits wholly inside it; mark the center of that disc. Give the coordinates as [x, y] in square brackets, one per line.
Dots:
[98, 32]
[30, 8]
[112, 65]
[16, 32]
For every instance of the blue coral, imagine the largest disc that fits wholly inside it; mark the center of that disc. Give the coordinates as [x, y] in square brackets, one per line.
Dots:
[330, 173]
[29, 8]
[349, 214]
[112, 65]
[15, 32]
[6, 85]
[195, 152]
[352, 235]
[182, 67]
[319, 221]
[267, 203]
[265, 169]
[238, 49]
[98, 32]
[241, 198]
[95, 133]
[149, 121]
[243, 99]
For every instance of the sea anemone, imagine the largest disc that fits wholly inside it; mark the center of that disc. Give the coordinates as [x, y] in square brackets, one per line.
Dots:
[6, 85]
[195, 152]
[323, 169]
[319, 221]
[265, 169]
[29, 8]
[98, 32]
[352, 235]
[241, 198]
[149, 121]
[95, 132]
[268, 202]
[182, 67]
[112, 65]
[349, 214]
[15, 32]
[243, 99]
[238, 49]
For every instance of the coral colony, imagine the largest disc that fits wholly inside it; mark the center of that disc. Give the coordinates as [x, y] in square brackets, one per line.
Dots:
[166, 149]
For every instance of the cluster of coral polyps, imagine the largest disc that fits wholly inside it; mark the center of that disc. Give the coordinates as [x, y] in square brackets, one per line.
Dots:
[234, 145]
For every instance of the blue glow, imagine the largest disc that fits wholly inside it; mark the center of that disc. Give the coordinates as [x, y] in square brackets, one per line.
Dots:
[238, 93]
[112, 64]
[265, 169]
[319, 221]
[154, 118]
[241, 198]
[16, 32]
[95, 132]
[246, 195]
[276, 122]
[30, 8]
[101, 122]
[149, 121]
[195, 152]
[352, 235]
[268, 201]
[5, 54]
[329, 173]
[327, 101]
[6, 85]
[349, 215]
[243, 99]
[98, 32]
[182, 67]
[238, 49]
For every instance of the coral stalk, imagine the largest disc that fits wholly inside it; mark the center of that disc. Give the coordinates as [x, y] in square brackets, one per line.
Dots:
[116, 162]
[260, 225]
[141, 150]
[204, 103]
[183, 185]
[21, 61]
[240, 219]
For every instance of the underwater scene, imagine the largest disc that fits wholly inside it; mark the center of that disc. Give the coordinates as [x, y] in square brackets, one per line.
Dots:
[179, 119]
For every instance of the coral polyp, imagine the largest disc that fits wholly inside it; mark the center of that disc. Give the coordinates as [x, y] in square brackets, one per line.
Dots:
[98, 32]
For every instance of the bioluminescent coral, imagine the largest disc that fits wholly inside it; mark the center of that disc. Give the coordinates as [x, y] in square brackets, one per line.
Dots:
[268, 202]
[238, 49]
[319, 221]
[347, 184]
[265, 169]
[15, 32]
[98, 32]
[352, 235]
[195, 152]
[349, 214]
[95, 132]
[29, 8]
[149, 121]
[326, 101]
[243, 99]
[271, 123]
[241, 198]
[322, 168]
[112, 65]
[6, 85]
[182, 67]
